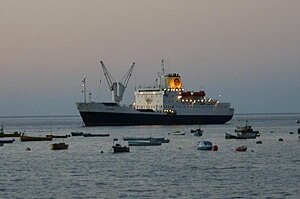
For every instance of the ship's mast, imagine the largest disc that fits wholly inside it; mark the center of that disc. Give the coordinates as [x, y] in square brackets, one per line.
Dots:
[84, 89]
[162, 76]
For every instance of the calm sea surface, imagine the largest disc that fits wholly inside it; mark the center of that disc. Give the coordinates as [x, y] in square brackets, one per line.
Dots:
[172, 170]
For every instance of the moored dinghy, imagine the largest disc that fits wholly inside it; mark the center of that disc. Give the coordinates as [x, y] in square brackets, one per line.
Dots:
[118, 148]
[59, 146]
[179, 133]
[205, 145]
[241, 148]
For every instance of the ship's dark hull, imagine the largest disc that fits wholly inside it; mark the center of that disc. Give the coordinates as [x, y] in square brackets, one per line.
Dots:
[126, 119]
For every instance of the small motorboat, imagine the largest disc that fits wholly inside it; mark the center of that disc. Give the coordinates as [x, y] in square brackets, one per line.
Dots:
[241, 148]
[2, 134]
[77, 133]
[205, 145]
[95, 135]
[243, 132]
[59, 146]
[7, 141]
[197, 132]
[118, 148]
[259, 142]
[179, 133]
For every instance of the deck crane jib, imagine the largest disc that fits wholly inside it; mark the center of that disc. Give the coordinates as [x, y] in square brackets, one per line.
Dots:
[117, 88]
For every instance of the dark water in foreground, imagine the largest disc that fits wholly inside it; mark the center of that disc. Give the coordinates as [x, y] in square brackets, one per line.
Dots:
[173, 170]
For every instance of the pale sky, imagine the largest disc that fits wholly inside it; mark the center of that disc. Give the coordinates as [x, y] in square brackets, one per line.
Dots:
[246, 50]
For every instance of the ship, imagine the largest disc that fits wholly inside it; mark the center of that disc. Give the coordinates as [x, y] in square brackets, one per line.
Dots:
[165, 103]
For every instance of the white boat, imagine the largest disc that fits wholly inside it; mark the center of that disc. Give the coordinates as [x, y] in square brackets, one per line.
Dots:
[205, 145]
[179, 133]
[165, 103]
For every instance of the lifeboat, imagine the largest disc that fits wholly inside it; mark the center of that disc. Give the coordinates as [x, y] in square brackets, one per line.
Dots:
[186, 94]
[199, 94]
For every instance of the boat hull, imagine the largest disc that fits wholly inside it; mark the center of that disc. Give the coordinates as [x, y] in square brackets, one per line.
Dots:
[126, 119]
[31, 138]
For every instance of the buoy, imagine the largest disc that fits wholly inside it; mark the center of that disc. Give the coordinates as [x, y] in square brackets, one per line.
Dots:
[271, 131]
[101, 152]
[259, 142]
[280, 139]
[28, 149]
[215, 148]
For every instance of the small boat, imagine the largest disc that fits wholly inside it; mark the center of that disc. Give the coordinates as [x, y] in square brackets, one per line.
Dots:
[179, 133]
[7, 141]
[243, 132]
[95, 135]
[298, 121]
[77, 133]
[143, 143]
[117, 148]
[205, 145]
[241, 148]
[159, 139]
[59, 146]
[25, 138]
[58, 136]
[198, 132]
[2, 134]
[259, 142]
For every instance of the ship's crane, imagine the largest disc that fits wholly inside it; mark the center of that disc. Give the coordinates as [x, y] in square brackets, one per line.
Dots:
[117, 88]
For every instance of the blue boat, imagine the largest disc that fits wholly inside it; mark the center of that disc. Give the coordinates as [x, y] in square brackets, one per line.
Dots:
[7, 141]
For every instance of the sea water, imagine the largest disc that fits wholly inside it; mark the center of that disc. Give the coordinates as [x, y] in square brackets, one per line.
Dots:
[89, 168]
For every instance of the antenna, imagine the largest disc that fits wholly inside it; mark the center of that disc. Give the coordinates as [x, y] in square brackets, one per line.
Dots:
[84, 89]
[163, 67]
